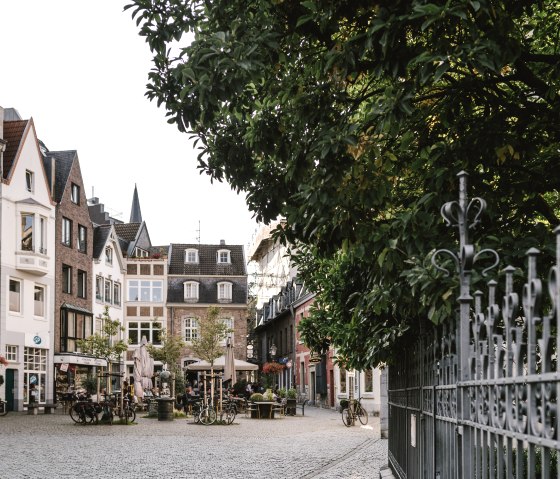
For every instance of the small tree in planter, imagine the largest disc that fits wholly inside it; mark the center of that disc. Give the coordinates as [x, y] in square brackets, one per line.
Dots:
[212, 331]
[169, 353]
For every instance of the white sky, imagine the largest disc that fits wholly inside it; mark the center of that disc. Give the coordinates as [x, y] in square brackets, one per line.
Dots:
[79, 68]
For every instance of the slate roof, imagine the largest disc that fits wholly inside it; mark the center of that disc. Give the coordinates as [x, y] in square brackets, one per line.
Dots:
[207, 264]
[64, 161]
[135, 212]
[13, 133]
[100, 235]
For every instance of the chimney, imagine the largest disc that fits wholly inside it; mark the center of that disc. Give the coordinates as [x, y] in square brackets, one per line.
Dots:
[222, 242]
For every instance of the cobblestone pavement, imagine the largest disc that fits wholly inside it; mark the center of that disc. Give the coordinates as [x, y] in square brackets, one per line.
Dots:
[316, 446]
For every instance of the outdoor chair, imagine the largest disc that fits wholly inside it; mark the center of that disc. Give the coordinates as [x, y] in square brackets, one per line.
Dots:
[250, 407]
[279, 408]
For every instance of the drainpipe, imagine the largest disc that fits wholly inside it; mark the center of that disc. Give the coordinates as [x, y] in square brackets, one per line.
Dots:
[2, 149]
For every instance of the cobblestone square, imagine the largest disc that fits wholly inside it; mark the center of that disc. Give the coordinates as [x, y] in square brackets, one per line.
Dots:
[317, 445]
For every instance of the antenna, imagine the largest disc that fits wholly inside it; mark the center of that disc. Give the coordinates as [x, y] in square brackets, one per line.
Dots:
[198, 233]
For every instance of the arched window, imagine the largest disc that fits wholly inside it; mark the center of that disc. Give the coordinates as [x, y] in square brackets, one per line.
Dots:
[190, 328]
[224, 292]
[190, 289]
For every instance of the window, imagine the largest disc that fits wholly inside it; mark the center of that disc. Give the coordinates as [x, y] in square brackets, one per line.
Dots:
[191, 329]
[223, 256]
[191, 291]
[66, 232]
[39, 301]
[74, 326]
[99, 288]
[109, 255]
[108, 291]
[11, 352]
[43, 235]
[66, 279]
[145, 290]
[224, 292]
[82, 238]
[27, 223]
[368, 380]
[15, 296]
[82, 284]
[150, 329]
[117, 294]
[302, 375]
[140, 253]
[191, 256]
[229, 325]
[342, 373]
[29, 181]
[75, 194]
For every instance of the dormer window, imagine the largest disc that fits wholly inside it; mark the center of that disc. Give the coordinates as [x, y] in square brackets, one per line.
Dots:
[223, 256]
[191, 256]
[190, 291]
[224, 292]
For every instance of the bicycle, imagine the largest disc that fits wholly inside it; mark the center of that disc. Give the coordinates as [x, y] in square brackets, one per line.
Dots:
[229, 411]
[128, 412]
[85, 412]
[207, 415]
[352, 410]
[3, 407]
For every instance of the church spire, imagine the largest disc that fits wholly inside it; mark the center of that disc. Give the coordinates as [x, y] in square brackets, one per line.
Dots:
[135, 213]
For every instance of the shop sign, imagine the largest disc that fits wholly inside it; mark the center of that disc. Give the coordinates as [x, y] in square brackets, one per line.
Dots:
[81, 360]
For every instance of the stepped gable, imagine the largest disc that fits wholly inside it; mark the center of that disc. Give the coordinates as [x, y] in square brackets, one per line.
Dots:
[13, 133]
[207, 264]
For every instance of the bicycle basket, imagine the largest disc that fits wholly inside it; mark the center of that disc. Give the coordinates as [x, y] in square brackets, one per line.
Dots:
[343, 404]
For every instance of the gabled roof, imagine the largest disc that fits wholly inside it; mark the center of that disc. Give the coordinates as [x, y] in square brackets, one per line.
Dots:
[64, 161]
[13, 134]
[207, 264]
[100, 235]
[127, 231]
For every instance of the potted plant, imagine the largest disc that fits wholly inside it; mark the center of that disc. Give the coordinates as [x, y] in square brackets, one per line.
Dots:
[256, 397]
[291, 402]
[268, 395]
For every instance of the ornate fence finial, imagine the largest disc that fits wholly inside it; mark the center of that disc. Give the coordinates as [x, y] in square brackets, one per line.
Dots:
[457, 213]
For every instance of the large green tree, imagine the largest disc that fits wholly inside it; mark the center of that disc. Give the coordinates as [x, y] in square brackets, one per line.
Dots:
[351, 119]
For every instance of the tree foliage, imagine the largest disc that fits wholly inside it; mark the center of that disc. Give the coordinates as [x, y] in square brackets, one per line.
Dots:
[212, 330]
[105, 344]
[169, 351]
[351, 119]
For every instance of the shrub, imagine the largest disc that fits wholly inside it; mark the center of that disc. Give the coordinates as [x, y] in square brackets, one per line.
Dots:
[256, 397]
[292, 393]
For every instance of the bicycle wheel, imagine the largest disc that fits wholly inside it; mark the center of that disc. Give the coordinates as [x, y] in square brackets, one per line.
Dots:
[229, 415]
[3, 408]
[208, 416]
[130, 414]
[347, 417]
[75, 411]
[362, 415]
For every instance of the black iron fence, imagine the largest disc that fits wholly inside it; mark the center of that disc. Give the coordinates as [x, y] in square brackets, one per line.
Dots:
[478, 396]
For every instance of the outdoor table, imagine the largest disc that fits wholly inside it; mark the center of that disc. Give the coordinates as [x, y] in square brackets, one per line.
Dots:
[266, 409]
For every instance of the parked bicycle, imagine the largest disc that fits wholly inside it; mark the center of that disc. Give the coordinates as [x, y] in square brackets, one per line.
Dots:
[229, 411]
[3, 407]
[352, 410]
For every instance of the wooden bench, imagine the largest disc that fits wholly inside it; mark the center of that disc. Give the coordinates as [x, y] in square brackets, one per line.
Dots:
[32, 408]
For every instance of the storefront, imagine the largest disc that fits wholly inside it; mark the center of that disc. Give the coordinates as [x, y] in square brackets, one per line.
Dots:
[72, 370]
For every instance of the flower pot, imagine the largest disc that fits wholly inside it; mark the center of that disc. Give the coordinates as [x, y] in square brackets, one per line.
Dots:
[291, 407]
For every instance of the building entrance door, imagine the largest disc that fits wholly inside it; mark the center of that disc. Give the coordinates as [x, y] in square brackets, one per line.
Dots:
[10, 374]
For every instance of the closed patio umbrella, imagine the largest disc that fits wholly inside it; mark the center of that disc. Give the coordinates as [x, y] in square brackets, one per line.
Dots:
[229, 366]
[143, 369]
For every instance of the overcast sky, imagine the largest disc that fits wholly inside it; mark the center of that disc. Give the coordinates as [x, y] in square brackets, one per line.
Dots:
[80, 69]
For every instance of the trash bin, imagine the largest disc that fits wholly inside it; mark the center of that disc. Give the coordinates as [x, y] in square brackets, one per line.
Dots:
[165, 409]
